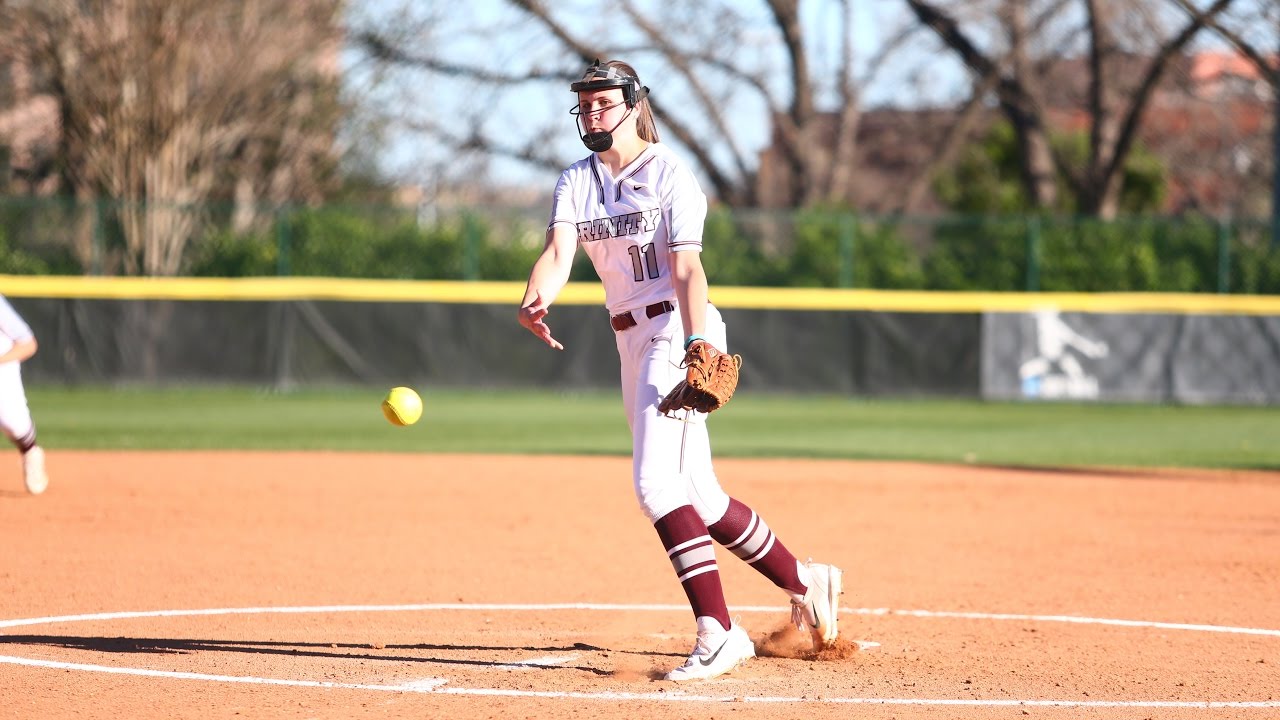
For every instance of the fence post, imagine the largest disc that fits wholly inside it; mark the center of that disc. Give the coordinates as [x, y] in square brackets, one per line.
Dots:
[283, 241]
[848, 233]
[1033, 253]
[1275, 159]
[1224, 255]
[99, 236]
[471, 247]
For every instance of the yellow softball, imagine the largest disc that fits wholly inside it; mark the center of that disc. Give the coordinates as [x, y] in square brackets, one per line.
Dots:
[402, 406]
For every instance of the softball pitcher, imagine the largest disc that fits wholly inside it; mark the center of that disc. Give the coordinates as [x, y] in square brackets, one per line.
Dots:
[18, 343]
[638, 211]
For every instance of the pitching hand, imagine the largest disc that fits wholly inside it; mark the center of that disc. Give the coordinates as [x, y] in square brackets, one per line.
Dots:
[531, 316]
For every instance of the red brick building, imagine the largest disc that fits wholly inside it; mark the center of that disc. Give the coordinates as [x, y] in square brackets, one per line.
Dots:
[1209, 122]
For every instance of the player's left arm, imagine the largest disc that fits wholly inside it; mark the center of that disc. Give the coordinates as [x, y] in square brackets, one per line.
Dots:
[685, 206]
[690, 281]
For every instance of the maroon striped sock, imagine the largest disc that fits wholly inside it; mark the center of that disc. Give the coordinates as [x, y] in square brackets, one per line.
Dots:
[745, 534]
[693, 556]
[26, 442]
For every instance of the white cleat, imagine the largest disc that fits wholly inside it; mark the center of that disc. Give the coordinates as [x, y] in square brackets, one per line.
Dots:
[717, 652]
[33, 470]
[819, 610]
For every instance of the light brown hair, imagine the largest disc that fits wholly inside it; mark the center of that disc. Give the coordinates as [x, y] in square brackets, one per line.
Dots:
[646, 128]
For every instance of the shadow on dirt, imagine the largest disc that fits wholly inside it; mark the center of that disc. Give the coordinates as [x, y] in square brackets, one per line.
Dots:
[339, 651]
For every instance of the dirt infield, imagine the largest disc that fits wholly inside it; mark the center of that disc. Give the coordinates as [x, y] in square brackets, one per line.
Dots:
[413, 586]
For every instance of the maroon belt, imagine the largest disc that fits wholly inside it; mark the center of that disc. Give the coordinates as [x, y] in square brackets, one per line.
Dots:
[627, 320]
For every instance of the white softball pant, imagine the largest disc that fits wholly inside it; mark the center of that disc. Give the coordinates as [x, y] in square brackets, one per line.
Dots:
[15, 416]
[671, 458]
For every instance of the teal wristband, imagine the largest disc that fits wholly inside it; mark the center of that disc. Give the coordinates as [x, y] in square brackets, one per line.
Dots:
[692, 339]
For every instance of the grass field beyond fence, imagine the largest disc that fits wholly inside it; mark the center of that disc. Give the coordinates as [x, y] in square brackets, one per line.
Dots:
[1032, 434]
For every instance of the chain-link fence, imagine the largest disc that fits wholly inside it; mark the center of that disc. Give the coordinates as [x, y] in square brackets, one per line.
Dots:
[815, 248]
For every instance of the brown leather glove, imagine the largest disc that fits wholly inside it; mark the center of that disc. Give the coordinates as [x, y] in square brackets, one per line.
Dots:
[710, 379]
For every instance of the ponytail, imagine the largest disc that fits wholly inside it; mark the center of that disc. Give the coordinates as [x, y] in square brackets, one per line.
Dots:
[645, 127]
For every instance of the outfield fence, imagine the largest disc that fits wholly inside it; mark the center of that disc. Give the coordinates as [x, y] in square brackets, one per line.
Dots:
[800, 248]
[297, 332]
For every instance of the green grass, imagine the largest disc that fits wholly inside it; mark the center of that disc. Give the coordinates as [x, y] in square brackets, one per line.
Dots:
[1032, 434]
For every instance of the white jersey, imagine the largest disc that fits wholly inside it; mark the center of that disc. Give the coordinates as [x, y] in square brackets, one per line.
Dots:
[12, 326]
[15, 416]
[630, 225]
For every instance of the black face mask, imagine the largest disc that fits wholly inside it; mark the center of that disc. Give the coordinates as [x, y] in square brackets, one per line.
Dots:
[601, 140]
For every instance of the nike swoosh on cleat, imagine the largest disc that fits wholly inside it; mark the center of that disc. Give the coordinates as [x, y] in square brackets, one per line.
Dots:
[714, 655]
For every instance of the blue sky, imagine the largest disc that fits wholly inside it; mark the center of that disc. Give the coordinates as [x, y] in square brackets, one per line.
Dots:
[919, 75]
[519, 110]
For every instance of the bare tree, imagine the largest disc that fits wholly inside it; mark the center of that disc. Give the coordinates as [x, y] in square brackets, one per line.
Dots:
[1251, 32]
[1128, 47]
[163, 104]
[713, 59]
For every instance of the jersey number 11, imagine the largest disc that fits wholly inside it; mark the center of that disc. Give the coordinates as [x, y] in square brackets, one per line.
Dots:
[649, 262]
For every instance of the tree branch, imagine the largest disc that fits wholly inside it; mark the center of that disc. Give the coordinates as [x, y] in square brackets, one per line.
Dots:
[1133, 118]
[723, 186]
[840, 175]
[1016, 101]
[1270, 70]
[383, 50]
[532, 152]
[945, 151]
[682, 64]
[1102, 128]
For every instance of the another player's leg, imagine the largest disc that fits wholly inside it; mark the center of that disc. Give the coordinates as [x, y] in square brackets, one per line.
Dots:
[15, 419]
[33, 470]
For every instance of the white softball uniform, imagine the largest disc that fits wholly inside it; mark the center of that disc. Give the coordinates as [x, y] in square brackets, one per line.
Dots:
[15, 416]
[629, 226]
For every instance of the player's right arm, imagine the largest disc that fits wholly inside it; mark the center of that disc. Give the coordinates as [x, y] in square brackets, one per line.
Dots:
[21, 351]
[16, 329]
[549, 275]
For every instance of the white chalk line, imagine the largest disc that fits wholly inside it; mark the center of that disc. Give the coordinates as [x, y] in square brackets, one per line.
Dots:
[1079, 620]
[437, 685]
[608, 607]
[532, 663]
